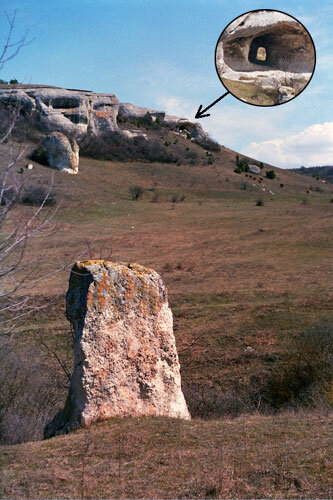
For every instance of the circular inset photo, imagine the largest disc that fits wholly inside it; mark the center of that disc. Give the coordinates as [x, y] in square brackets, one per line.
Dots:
[265, 57]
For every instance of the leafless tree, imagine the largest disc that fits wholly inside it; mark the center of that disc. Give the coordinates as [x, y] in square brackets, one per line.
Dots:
[19, 272]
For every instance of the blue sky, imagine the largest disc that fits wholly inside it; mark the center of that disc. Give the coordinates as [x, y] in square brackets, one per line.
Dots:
[160, 54]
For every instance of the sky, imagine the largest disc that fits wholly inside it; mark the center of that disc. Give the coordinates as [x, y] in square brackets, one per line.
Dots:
[160, 54]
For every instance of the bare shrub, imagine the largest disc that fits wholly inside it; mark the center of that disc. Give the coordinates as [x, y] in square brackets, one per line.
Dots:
[115, 146]
[136, 192]
[39, 155]
[29, 392]
[36, 195]
[156, 197]
[210, 402]
[306, 379]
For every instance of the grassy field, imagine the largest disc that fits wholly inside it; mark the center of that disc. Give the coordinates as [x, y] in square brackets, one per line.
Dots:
[239, 276]
[249, 457]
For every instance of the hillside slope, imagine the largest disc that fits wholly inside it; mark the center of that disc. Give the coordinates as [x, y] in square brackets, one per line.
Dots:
[245, 279]
[325, 173]
[248, 457]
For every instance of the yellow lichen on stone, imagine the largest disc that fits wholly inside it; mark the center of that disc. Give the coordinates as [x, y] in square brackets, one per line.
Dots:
[121, 286]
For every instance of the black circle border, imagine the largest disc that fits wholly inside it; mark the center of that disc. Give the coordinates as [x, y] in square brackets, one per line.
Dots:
[280, 103]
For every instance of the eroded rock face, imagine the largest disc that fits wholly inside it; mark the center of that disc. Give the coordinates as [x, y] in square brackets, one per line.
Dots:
[254, 169]
[62, 153]
[78, 113]
[261, 51]
[74, 112]
[125, 357]
[195, 130]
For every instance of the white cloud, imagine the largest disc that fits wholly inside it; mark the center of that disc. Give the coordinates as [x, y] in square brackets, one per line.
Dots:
[311, 146]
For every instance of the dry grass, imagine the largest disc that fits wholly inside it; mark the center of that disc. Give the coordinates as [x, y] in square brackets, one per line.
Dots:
[238, 276]
[249, 457]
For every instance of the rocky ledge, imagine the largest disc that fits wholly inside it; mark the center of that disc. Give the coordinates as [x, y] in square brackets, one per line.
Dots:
[77, 113]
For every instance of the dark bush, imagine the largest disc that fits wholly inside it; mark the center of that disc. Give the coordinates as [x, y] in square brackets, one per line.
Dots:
[211, 402]
[39, 155]
[115, 146]
[242, 166]
[136, 192]
[36, 195]
[156, 197]
[270, 174]
[260, 202]
[9, 197]
[306, 379]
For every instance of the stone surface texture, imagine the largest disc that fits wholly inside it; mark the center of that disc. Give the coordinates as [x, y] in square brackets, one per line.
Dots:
[77, 113]
[290, 54]
[74, 112]
[254, 169]
[62, 153]
[125, 357]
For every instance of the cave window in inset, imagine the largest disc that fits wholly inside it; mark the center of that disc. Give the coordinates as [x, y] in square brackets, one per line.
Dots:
[261, 54]
[259, 50]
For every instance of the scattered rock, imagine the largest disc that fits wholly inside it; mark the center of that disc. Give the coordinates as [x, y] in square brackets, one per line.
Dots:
[125, 357]
[62, 153]
[30, 166]
[254, 169]
[286, 93]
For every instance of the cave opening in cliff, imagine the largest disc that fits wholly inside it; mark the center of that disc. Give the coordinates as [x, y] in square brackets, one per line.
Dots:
[259, 50]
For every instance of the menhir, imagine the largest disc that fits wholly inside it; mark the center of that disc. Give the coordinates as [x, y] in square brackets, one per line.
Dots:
[125, 357]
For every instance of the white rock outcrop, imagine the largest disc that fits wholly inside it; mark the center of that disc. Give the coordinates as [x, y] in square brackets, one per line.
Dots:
[254, 169]
[74, 112]
[62, 153]
[81, 113]
[125, 357]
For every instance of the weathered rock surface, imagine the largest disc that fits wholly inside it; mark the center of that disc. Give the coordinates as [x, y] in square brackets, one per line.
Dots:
[254, 169]
[127, 110]
[74, 112]
[268, 50]
[77, 113]
[198, 134]
[125, 357]
[62, 153]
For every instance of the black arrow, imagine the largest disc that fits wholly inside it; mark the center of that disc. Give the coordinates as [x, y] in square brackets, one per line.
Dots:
[200, 113]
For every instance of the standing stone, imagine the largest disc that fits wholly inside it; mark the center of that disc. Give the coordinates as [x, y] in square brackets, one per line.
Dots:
[125, 357]
[62, 153]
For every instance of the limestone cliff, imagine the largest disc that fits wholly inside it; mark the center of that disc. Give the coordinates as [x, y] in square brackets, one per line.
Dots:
[81, 112]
